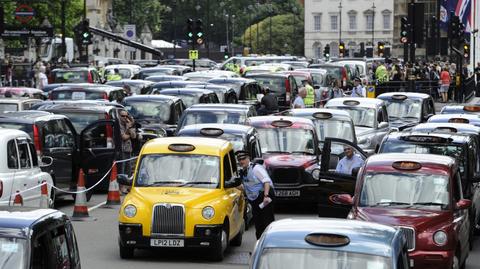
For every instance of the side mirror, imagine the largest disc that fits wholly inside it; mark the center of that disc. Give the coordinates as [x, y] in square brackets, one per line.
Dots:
[341, 199]
[463, 204]
[235, 182]
[123, 179]
[383, 125]
[46, 161]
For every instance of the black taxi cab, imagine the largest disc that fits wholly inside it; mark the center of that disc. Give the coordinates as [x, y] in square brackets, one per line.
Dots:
[461, 109]
[195, 202]
[37, 238]
[456, 118]
[290, 151]
[407, 109]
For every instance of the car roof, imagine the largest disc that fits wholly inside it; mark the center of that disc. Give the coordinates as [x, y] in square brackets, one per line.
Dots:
[186, 91]
[365, 237]
[29, 116]
[446, 117]
[266, 122]
[413, 95]
[12, 132]
[227, 128]
[387, 159]
[310, 111]
[152, 97]
[177, 82]
[231, 80]
[16, 100]
[275, 75]
[207, 146]
[459, 127]
[128, 81]
[22, 217]
[455, 137]
[113, 66]
[363, 102]
[219, 106]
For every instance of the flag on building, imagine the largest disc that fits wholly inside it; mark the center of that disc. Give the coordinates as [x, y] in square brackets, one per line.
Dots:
[462, 8]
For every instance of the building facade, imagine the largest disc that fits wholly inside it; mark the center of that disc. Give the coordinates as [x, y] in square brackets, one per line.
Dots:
[354, 22]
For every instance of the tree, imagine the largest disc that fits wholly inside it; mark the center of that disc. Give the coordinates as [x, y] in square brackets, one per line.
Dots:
[287, 36]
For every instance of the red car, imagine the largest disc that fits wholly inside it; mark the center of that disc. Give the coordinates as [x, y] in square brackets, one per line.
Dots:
[421, 195]
[290, 151]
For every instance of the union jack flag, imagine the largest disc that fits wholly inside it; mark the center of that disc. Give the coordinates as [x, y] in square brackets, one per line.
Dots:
[464, 11]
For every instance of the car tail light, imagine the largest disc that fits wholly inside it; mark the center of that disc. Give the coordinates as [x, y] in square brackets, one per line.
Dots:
[344, 77]
[89, 77]
[109, 132]
[288, 91]
[36, 140]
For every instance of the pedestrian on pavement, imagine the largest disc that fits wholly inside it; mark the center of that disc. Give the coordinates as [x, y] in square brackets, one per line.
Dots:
[349, 162]
[268, 104]
[358, 89]
[444, 84]
[477, 77]
[42, 78]
[9, 73]
[309, 100]
[258, 188]
[381, 73]
[337, 90]
[299, 100]
[128, 133]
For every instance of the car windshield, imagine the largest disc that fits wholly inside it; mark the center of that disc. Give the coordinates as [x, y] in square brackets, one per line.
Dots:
[236, 140]
[405, 189]
[28, 128]
[160, 111]
[6, 107]
[187, 99]
[13, 253]
[185, 170]
[406, 110]
[80, 120]
[305, 258]
[199, 117]
[125, 73]
[286, 140]
[335, 129]
[401, 146]
[70, 76]
[275, 84]
[78, 95]
[361, 116]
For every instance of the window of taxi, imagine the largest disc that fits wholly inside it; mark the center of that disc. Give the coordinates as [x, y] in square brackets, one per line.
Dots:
[334, 128]
[362, 117]
[185, 170]
[286, 258]
[199, 117]
[410, 189]
[289, 140]
[13, 252]
[407, 109]
[149, 110]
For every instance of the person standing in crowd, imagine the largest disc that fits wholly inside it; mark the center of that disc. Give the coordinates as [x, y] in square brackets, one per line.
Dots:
[269, 103]
[128, 133]
[113, 75]
[9, 73]
[310, 98]
[358, 89]
[42, 81]
[444, 84]
[381, 73]
[299, 100]
[258, 188]
[337, 90]
[477, 77]
[396, 73]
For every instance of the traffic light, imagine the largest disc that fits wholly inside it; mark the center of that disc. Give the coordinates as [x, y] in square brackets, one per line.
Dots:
[226, 54]
[190, 33]
[381, 48]
[86, 35]
[453, 27]
[341, 49]
[199, 31]
[326, 52]
[405, 29]
[466, 50]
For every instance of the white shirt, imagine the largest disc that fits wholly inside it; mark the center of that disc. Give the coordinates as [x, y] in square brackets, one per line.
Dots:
[345, 165]
[42, 81]
[359, 91]
[298, 103]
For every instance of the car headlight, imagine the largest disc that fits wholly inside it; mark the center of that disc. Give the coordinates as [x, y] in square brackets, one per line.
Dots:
[365, 141]
[208, 212]
[440, 238]
[130, 211]
[316, 174]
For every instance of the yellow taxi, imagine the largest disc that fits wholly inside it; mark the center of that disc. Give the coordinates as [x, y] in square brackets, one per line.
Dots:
[185, 194]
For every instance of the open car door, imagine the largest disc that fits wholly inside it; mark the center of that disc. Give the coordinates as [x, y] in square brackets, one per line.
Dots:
[332, 182]
[100, 144]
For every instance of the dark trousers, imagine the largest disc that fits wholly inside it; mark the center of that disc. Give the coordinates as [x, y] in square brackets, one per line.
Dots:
[126, 167]
[262, 217]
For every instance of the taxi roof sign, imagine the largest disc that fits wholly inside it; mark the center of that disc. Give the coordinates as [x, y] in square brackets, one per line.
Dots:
[281, 123]
[327, 240]
[211, 131]
[181, 147]
[472, 108]
[351, 102]
[426, 139]
[458, 120]
[322, 115]
[406, 165]
[446, 129]
[399, 97]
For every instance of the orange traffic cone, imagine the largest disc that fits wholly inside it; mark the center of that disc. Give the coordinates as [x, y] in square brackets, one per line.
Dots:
[80, 210]
[44, 200]
[113, 197]
[18, 201]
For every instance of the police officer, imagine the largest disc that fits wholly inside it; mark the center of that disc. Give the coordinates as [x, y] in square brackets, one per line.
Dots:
[310, 99]
[259, 190]
[358, 89]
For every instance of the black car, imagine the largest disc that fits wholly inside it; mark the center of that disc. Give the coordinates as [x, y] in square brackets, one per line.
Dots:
[159, 86]
[93, 92]
[37, 238]
[216, 113]
[246, 89]
[157, 115]
[462, 147]
[161, 78]
[192, 96]
[283, 86]
[407, 109]
[74, 75]
[137, 86]
[154, 71]
[225, 94]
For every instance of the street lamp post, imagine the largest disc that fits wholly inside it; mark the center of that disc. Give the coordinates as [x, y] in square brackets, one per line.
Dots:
[373, 26]
[340, 23]
[233, 34]
[250, 9]
[270, 10]
[294, 9]
[228, 43]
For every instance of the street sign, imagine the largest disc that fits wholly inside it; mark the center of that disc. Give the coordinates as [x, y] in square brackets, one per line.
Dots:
[15, 31]
[193, 54]
[130, 31]
[24, 13]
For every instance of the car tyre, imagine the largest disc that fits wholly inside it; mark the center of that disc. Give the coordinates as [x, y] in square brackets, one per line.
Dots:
[237, 240]
[219, 247]
[126, 252]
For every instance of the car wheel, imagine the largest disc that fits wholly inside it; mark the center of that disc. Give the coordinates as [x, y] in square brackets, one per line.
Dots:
[126, 252]
[219, 247]
[237, 240]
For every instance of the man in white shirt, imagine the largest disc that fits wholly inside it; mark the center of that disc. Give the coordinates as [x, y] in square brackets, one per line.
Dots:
[349, 162]
[299, 100]
[42, 78]
[358, 89]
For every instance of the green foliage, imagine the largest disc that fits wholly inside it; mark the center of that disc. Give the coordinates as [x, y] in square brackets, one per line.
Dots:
[287, 35]
[50, 10]
[151, 12]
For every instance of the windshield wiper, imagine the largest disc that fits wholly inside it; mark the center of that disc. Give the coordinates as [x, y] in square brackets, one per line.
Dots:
[429, 203]
[273, 151]
[200, 182]
[163, 183]
[390, 203]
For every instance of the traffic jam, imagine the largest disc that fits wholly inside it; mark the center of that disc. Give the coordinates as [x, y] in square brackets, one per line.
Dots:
[191, 160]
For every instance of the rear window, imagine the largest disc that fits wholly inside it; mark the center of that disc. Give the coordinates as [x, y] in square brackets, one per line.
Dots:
[27, 128]
[6, 107]
[276, 84]
[78, 95]
[80, 120]
[70, 77]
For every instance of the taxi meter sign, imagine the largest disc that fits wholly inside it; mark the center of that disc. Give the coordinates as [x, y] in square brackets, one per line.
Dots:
[193, 54]
[24, 13]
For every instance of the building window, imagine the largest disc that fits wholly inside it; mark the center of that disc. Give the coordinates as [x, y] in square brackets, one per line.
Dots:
[369, 19]
[386, 21]
[352, 20]
[317, 19]
[334, 22]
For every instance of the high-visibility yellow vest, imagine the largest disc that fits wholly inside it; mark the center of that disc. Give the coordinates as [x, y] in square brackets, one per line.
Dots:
[310, 98]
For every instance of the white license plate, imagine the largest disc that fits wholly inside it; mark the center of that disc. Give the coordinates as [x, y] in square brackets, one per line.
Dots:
[167, 243]
[287, 193]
